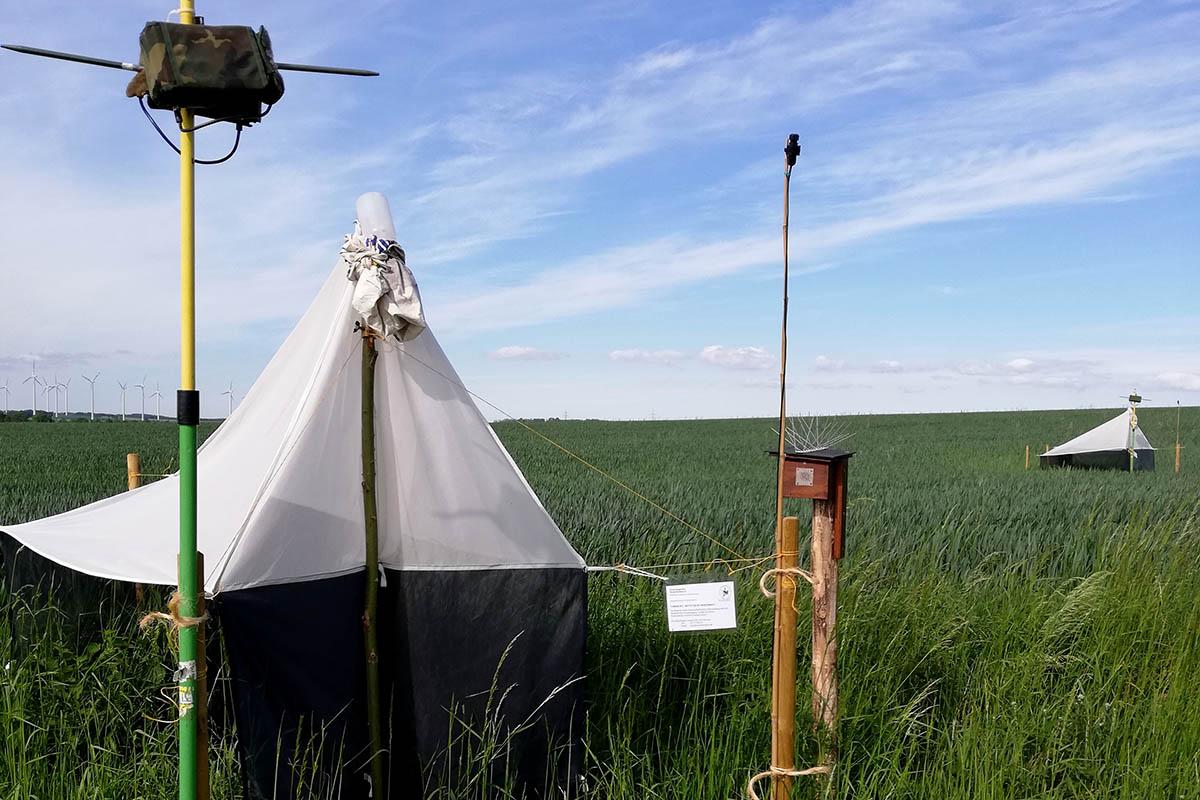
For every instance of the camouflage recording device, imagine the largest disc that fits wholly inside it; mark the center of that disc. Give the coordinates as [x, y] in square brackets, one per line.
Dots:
[224, 72]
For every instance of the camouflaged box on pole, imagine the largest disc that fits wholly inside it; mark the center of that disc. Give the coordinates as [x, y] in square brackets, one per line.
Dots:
[218, 71]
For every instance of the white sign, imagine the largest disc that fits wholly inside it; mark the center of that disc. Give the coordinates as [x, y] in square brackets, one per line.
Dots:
[701, 606]
[804, 476]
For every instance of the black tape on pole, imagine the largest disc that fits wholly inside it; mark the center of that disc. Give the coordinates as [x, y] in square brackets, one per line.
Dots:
[187, 406]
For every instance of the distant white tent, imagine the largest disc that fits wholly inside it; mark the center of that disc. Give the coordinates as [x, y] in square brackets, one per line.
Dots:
[1104, 447]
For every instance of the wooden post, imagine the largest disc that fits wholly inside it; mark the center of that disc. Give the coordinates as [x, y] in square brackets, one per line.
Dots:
[1178, 448]
[783, 706]
[133, 470]
[824, 631]
[1026, 456]
[371, 520]
[201, 688]
[133, 477]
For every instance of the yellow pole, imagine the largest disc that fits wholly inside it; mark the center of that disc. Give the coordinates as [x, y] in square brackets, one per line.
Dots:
[1026, 456]
[187, 231]
[192, 747]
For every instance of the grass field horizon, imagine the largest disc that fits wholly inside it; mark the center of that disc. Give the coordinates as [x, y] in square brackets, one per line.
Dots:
[1004, 633]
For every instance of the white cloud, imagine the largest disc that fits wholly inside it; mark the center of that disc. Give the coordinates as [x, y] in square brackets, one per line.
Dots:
[659, 357]
[887, 365]
[1187, 381]
[737, 357]
[823, 363]
[520, 353]
[1021, 364]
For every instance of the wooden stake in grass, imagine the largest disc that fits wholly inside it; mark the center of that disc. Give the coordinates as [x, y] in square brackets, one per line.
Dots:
[783, 707]
[133, 470]
[371, 518]
[824, 629]
[1178, 446]
[1026, 456]
[133, 477]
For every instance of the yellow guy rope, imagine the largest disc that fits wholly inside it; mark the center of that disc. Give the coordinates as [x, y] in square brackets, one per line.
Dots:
[583, 461]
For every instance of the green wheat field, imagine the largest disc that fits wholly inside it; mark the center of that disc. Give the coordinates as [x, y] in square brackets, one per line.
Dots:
[1003, 633]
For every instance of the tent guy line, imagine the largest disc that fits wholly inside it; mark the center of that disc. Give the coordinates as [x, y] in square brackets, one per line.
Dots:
[599, 470]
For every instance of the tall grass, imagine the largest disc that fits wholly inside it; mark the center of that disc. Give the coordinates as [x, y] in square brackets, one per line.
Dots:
[1003, 633]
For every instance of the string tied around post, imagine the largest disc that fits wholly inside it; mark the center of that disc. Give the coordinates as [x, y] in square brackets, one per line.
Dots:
[762, 582]
[173, 618]
[780, 772]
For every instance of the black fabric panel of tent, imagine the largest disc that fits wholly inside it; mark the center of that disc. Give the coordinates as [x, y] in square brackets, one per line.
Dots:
[1102, 459]
[462, 652]
[499, 653]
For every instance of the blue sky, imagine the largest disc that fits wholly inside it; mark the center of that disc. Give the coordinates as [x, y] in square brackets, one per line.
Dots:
[996, 205]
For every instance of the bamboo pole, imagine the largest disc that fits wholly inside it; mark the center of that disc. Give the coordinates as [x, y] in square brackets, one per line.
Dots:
[133, 478]
[371, 519]
[791, 151]
[824, 631]
[1178, 457]
[783, 707]
[1026, 456]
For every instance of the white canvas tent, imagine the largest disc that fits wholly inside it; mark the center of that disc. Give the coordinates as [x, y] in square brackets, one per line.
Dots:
[471, 559]
[1105, 446]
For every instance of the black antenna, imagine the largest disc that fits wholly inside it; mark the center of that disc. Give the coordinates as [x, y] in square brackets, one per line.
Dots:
[78, 59]
[106, 62]
[361, 73]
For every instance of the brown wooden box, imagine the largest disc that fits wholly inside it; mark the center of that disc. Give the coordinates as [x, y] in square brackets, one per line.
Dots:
[804, 478]
[819, 475]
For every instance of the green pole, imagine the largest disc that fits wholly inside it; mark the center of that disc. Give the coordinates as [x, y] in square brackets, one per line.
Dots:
[371, 519]
[188, 714]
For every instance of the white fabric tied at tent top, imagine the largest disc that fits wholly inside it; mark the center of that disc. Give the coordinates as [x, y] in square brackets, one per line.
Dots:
[385, 293]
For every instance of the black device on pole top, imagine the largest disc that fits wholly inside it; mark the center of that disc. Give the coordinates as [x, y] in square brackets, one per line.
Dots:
[792, 149]
[226, 73]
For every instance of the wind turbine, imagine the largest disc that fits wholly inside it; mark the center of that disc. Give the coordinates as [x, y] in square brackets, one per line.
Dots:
[142, 387]
[123, 388]
[92, 384]
[66, 388]
[55, 387]
[229, 393]
[47, 388]
[33, 389]
[5, 388]
[158, 406]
